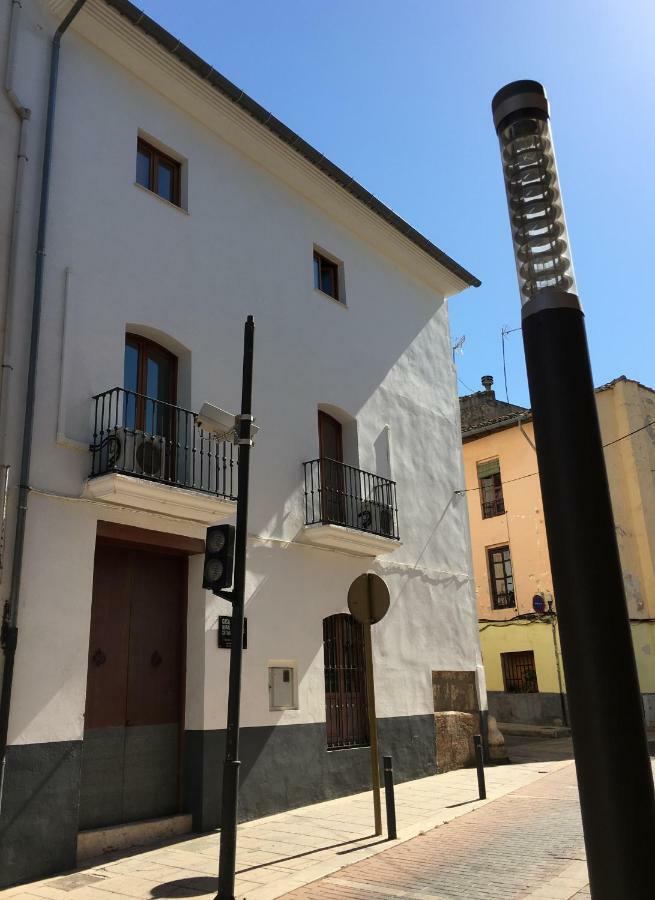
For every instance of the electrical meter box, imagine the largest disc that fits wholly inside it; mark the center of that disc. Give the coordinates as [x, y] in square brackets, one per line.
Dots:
[282, 687]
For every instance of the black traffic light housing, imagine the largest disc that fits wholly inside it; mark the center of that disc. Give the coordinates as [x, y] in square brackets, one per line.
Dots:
[219, 557]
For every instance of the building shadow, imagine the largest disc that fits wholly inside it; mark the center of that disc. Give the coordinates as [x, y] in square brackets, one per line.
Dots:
[206, 884]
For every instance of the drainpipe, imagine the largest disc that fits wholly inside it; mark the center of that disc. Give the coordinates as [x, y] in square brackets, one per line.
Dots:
[519, 422]
[9, 628]
[562, 700]
[6, 343]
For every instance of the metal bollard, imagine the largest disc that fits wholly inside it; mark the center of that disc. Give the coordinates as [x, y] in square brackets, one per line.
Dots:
[389, 798]
[479, 762]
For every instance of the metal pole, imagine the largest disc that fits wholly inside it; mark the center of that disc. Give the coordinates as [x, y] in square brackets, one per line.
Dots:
[372, 722]
[479, 762]
[390, 798]
[609, 739]
[230, 799]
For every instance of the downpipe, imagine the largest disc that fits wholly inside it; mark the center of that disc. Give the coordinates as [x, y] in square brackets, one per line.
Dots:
[10, 618]
[6, 338]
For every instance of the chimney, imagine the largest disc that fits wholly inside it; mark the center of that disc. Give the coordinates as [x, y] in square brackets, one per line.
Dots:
[487, 381]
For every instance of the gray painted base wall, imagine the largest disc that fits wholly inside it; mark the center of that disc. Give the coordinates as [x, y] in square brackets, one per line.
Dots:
[286, 766]
[526, 709]
[38, 822]
[543, 708]
[282, 767]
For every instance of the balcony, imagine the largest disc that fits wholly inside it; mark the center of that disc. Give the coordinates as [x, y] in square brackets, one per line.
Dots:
[152, 456]
[348, 509]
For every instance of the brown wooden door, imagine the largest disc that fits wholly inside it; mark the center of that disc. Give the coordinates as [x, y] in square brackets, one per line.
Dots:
[135, 681]
[330, 443]
[150, 379]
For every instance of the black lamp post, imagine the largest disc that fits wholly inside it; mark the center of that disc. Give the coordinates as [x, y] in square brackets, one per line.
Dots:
[230, 798]
[609, 739]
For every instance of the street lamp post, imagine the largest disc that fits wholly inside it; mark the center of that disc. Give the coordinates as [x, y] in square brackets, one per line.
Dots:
[613, 766]
[230, 797]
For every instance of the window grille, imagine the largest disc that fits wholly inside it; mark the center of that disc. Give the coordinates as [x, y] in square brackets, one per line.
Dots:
[519, 672]
[346, 717]
[501, 577]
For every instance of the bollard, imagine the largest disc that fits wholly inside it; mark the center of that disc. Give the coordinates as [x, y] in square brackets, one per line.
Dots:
[479, 762]
[389, 798]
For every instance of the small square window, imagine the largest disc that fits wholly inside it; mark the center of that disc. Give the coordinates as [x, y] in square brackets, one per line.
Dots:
[158, 172]
[326, 276]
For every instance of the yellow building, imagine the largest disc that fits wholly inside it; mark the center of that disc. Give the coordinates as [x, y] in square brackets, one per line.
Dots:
[517, 608]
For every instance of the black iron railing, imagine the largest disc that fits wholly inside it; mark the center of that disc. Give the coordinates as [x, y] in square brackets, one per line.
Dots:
[138, 435]
[337, 494]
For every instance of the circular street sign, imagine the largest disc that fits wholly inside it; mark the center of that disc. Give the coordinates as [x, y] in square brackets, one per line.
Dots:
[368, 599]
[538, 603]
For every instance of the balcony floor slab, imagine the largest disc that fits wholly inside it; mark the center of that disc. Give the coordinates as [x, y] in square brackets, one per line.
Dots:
[152, 496]
[347, 540]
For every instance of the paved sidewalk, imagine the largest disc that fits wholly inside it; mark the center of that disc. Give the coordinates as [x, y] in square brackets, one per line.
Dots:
[527, 844]
[284, 852]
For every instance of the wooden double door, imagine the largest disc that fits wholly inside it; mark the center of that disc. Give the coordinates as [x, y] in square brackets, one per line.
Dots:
[135, 687]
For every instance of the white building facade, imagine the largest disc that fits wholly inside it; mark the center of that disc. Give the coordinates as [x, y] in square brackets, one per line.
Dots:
[177, 208]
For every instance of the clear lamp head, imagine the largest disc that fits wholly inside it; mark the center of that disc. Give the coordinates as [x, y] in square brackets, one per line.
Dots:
[541, 243]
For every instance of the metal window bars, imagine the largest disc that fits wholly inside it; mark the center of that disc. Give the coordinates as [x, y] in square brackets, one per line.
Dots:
[346, 710]
[338, 494]
[138, 435]
[519, 672]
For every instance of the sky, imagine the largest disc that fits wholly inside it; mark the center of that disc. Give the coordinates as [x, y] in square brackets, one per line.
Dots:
[398, 92]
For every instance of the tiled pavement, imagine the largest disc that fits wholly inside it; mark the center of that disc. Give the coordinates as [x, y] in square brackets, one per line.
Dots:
[281, 853]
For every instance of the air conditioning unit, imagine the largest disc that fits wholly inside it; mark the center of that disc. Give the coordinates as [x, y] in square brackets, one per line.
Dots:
[375, 517]
[135, 453]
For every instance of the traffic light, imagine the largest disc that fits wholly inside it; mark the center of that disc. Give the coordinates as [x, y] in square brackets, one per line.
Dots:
[219, 557]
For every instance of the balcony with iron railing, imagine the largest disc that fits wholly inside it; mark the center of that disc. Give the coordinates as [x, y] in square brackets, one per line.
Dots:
[349, 509]
[152, 455]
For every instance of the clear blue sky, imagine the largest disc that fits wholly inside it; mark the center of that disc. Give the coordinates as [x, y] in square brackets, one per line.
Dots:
[398, 92]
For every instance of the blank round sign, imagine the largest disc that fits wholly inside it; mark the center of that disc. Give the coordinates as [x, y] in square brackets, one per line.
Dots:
[368, 599]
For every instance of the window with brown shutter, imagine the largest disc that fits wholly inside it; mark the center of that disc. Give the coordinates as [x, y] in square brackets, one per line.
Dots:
[491, 488]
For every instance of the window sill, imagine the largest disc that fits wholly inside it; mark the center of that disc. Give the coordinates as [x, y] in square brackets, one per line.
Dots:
[331, 298]
[161, 199]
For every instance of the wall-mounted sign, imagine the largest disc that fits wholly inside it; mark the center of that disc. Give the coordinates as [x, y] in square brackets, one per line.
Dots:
[225, 632]
[538, 604]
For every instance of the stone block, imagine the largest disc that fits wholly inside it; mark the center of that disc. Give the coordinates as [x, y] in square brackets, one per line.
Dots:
[496, 741]
[454, 734]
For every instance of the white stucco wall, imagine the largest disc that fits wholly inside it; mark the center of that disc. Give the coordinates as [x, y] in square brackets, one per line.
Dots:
[119, 257]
